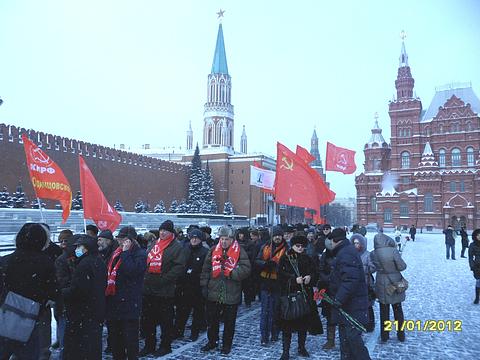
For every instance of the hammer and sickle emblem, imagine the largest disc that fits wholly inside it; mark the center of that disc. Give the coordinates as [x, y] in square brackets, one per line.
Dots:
[286, 165]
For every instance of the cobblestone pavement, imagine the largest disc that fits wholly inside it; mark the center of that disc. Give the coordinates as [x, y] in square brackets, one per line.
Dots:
[439, 289]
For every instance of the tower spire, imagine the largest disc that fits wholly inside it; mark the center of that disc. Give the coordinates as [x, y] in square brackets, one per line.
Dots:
[190, 137]
[243, 141]
[219, 65]
[405, 82]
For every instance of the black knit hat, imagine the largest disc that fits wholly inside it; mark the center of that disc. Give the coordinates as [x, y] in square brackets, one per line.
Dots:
[106, 234]
[32, 236]
[277, 231]
[168, 226]
[196, 233]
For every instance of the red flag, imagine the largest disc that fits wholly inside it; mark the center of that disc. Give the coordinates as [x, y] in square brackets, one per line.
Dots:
[304, 154]
[317, 219]
[297, 184]
[48, 179]
[95, 205]
[307, 214]
[340, 159]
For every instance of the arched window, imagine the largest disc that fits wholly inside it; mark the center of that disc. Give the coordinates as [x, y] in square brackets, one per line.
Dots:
[405, 160]
[456, 157]
[470, 156]
[441, 158]
[428, 202]
[427, 131]
[469, 126]
[387, 216]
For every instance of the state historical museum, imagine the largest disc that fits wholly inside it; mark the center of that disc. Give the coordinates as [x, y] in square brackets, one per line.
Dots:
[432, 162]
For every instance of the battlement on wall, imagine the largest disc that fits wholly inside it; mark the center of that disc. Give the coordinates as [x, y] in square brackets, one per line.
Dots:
[13, 134]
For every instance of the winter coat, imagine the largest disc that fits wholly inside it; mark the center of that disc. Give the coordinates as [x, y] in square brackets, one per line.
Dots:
[464, 236]
[53, 251]
[474, 258]
[412, 231]
[108, 251]
[368, 265]
[64, 268]
[30, 274]
[85, 296]
[127, 301]
[173, 264]
[347, 284]
[389, 264]
[232, 286]
[449, 237]
[288, 285]
[269, 284]
[189, 282]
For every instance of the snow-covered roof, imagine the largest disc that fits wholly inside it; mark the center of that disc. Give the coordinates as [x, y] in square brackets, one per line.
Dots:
[462, 91]
[376, 139]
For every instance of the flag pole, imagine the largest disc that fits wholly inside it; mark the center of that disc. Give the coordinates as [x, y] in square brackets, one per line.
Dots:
[250, 207]
[41, 211]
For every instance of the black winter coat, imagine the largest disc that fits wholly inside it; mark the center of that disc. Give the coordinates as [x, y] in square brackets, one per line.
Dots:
[347, 284]
[173, 264]
[449, 237]
[127, 301]
[85, 296]
[189, 282]
[269, 266]
[30, 274]
[464, 236]
[288, 285]
[474, 258]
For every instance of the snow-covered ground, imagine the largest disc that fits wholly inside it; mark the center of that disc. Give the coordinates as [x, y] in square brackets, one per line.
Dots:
[439, 289]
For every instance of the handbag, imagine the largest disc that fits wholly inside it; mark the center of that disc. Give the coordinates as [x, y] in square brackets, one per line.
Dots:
[396, 286]
[294, 305]
[18, 316]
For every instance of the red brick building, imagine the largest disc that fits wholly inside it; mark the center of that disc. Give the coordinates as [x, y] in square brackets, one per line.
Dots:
[433, 160]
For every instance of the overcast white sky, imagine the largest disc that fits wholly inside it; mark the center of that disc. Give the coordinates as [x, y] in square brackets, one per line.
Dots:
[135, 72]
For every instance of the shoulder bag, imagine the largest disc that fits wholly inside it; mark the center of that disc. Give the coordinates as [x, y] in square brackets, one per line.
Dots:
[18, 316]
[395, 286]
[294, 305]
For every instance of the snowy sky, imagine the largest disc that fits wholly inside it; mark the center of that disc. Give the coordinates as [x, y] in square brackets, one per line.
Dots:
[135, 72]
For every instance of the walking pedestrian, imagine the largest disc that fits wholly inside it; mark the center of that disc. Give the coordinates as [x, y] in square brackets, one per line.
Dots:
[413, 232]
[464, 236]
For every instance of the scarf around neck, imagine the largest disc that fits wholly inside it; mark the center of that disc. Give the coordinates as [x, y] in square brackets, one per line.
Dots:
[112, 272]
[228, 262]
[155, 256]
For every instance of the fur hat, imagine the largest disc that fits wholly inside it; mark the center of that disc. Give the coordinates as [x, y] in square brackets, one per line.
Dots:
[195, 233]
[225, 231]
[337, 235]
[127, 232]
[32, 236]
[299, 239]
[89, 242]
[167, 225]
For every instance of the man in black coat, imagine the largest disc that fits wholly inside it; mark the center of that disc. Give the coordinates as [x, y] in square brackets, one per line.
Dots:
[347, 286]
[125, 272]
[449, 241]
[413, 232]
[189, 292]
[85, 302]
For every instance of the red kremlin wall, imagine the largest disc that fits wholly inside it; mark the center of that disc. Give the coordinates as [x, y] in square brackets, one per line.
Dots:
[122, 175]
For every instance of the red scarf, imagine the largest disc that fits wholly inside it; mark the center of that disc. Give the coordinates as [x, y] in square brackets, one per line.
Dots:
[267, 255]
[112, 272]
[155, 256]
[228, 263]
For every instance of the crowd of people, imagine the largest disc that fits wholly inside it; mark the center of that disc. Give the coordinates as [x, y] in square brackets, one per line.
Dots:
[132, 283]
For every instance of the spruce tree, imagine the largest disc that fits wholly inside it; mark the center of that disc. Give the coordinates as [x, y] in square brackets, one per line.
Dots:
[209, 206]
[140, 207]
[18, 198]
[34, 204]
[183, 207]
[118, 206]
[195, 183]
[173, 207]
[4, 197]
[228, 208]
[77, 202]
[159, 208]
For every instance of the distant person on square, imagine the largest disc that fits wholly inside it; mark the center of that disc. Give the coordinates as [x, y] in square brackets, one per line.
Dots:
[450, 241]
[413, 232]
